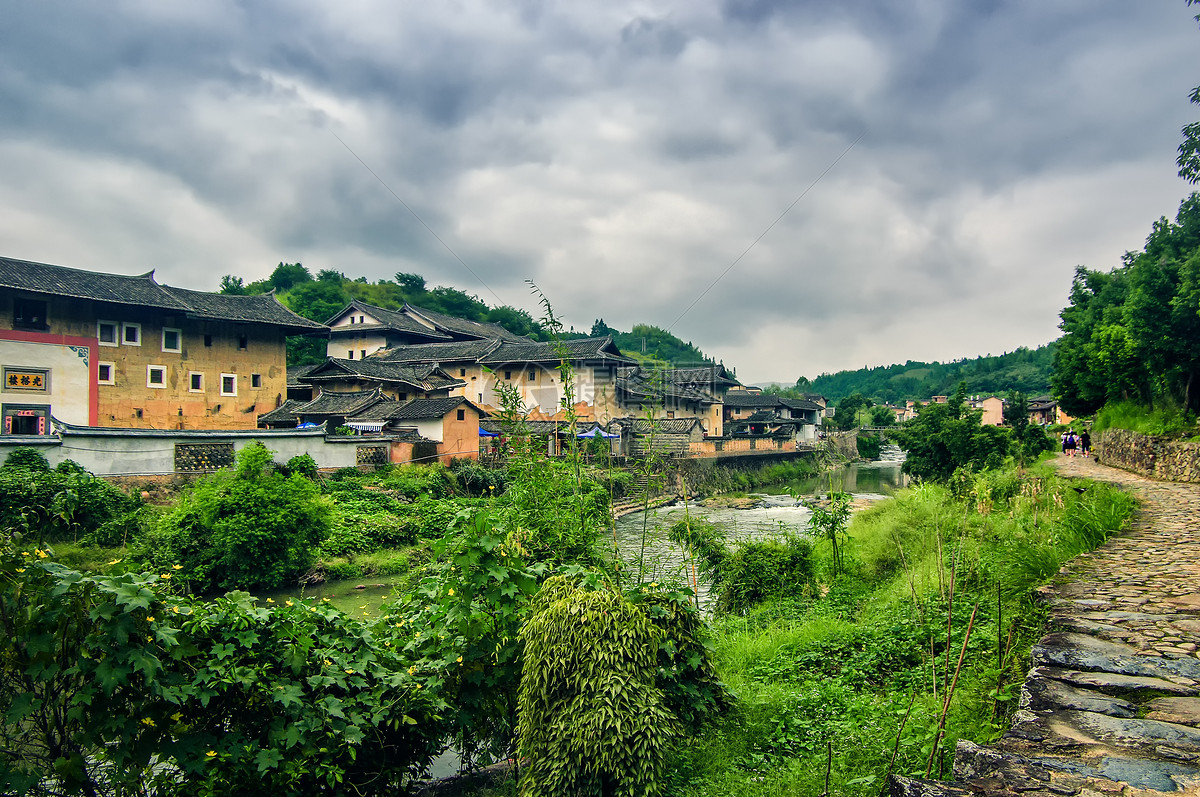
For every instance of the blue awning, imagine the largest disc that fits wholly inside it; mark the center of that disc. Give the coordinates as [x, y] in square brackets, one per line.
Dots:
[485, 433]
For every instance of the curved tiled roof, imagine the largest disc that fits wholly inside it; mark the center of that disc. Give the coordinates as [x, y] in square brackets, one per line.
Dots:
[144, 291]
[387, 319]
[554, 351]
[426, 377]
[458, 351]
[461, 326]
[413, 409]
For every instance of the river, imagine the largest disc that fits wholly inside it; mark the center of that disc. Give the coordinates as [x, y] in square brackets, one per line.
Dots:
[775, 511]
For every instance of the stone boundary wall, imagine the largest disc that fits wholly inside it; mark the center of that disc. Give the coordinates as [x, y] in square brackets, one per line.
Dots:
[1156, 457]
[845, 443]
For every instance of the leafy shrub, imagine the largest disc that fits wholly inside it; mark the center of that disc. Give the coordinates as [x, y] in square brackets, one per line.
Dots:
[592, 721]
[463, 612]
[112, 685]
[757, 571]
[64, 503]
[250, 528]
[26, 458]
[475, 479]
[869, 445]
[691, 689]
[303, 464]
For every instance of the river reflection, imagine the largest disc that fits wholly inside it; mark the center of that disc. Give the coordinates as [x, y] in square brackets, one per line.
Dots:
[641, 537]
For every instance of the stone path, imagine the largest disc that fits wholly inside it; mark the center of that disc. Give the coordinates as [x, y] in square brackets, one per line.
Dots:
[1112, 704]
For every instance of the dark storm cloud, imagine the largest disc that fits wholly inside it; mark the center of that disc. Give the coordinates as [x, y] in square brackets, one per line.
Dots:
[620, 151]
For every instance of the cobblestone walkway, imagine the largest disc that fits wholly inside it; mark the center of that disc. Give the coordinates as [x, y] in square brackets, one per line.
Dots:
[1112, 704]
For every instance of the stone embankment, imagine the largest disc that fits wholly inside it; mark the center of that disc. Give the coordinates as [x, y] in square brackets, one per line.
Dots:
[1112, 704]
[1157, 457]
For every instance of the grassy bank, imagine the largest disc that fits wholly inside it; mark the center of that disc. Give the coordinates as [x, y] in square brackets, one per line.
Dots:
[824, 685]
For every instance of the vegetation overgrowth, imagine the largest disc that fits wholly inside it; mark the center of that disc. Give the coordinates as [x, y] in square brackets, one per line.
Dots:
[510, 614]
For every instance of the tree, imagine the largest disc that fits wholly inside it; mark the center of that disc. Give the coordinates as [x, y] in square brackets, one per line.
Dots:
[1189, 150]
[413, 285]
[882, 415]
[946, 437]
[232, 285]
[286, 275]
[846, 416]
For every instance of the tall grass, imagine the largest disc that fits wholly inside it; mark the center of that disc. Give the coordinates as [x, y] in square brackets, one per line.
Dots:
[823, 682]
[1163, 419]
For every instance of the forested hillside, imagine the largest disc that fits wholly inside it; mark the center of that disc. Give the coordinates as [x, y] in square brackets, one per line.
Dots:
[1133, 333]
[1026, 370]
[320, 297]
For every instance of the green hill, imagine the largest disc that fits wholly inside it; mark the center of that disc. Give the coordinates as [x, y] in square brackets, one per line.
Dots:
[319, 297]
[1027, 370]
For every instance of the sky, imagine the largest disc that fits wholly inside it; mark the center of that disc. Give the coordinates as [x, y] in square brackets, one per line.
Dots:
[795, 187]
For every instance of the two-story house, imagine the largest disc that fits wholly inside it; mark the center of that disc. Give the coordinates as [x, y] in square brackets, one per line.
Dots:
[95, 349]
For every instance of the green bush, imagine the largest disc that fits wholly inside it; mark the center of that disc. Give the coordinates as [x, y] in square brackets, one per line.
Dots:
[110, 684]
[592, 721]
[249, 528]
[1163, 419]
[66, 503]
[757, 571]
[475, 479]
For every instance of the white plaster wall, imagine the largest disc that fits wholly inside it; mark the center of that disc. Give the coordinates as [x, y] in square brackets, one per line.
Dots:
[70, 378]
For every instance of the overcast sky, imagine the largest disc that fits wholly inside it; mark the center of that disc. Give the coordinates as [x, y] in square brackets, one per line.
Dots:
[622, 155]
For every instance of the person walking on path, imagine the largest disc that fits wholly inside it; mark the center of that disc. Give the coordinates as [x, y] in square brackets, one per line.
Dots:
[1085, 443]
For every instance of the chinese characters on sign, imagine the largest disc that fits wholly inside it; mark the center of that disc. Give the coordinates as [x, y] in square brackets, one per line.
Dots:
[24, 380]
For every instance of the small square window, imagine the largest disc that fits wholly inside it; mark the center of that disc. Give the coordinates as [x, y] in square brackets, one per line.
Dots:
[255, 380]
[156, 376]
[243, 342]
[462, 371]
[106, 373]
[462, 415]
[364, 354]
[402, 397]
[228, 384]
[131, 334]
[172, 340]
[533, 376]
[350, 355]
[107, 334]
[195, 382]
[508, 374]
[208, 341]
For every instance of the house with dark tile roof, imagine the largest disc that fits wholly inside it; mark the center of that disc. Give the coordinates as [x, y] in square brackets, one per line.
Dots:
[111, 350]
[755, 413]
[677, 393]
[399, 381]
[359, 329]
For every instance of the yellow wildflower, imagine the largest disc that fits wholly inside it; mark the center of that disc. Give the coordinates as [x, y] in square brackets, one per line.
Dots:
[349, 672]
[164, 575]
[289, 603]
[412, 670]
[270, 600]
[211, 753]
[328, 662]
[150, 619]
[42, 554]
[176, 567]
[20, 570]
[460, 659]
[417, 635]
[324, 600]
[110, 564]
[177, 716]
[451, 591]
[149, 723]
[26, 553]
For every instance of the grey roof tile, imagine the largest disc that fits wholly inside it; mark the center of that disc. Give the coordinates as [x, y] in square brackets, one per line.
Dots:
[143, 291]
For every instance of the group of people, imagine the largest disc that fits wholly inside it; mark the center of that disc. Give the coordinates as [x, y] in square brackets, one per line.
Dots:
[1072, 443]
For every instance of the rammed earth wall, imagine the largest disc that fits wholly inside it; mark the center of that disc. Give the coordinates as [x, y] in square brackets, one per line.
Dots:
[1156, 457]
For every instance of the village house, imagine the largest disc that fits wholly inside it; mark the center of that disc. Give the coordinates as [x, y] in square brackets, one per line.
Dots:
[1044, 410]
[675, 394]
[992, 408]
[359, 329]
[94, 349]
[754, 413]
